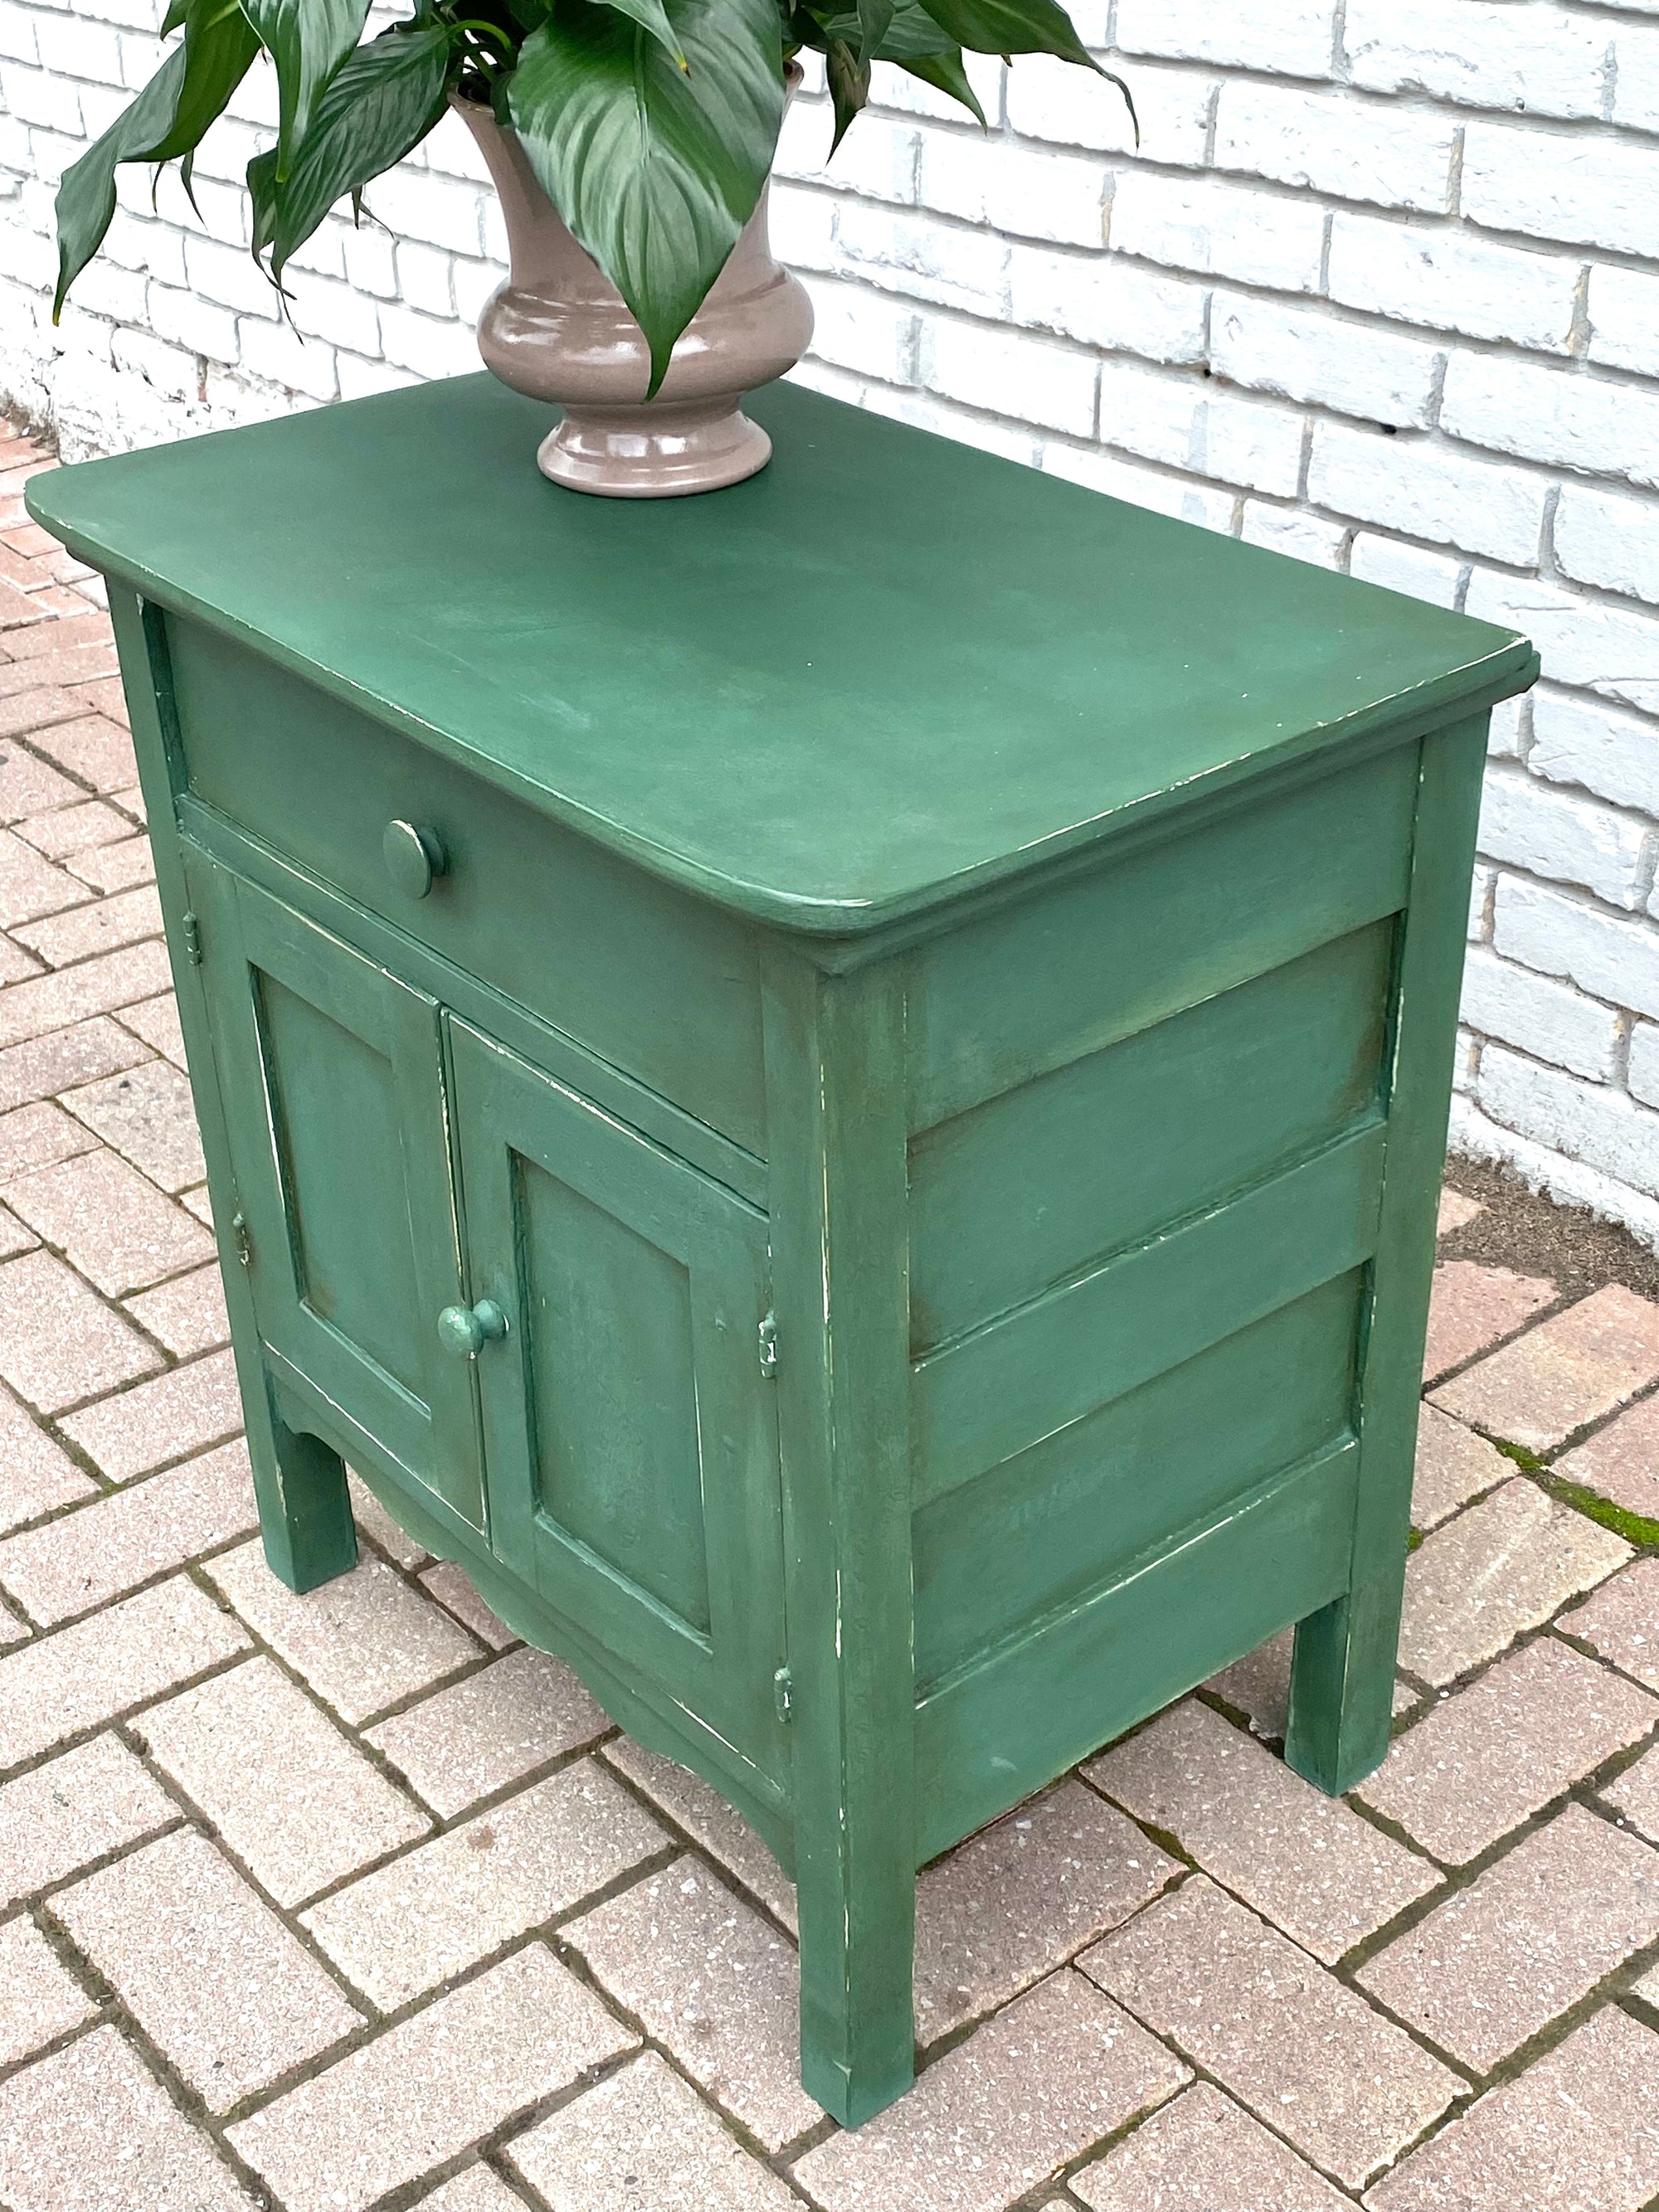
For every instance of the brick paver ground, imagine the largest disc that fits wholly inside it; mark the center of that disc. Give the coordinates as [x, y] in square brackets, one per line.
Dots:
[352, 1902]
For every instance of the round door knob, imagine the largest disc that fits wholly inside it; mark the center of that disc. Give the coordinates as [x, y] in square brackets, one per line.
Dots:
[465, 1330]
[413, 857]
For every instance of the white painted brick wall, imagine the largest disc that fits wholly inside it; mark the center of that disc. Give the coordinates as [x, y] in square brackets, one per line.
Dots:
[1379, 289]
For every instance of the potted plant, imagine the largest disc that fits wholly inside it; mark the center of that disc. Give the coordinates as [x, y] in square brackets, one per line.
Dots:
[630, 143]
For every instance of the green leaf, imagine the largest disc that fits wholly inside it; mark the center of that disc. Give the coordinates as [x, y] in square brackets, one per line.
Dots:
[1011, 27]
[652, 16]
[946, 74]
[168, 118]
[381, 100]
[849, 86]
[874, 18]
[655, 169]
[307, 39]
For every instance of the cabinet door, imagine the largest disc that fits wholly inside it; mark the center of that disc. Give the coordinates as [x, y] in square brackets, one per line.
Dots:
[630, 1441]
[331, 1075]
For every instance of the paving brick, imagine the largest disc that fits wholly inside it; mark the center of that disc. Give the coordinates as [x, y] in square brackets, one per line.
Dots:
[109, 1221]
[1023, 2095]
[150, 1117]
[104, 696]
[373, 1522]
[65, 1815]
[706, 1817]
[187, 1314]
[1494, 1571]
[94, 926]
[1200, 2155]
[421, 2095]
[287, 1791]
[209, 1972]
[1307, 1862]
[39, 2001]
[1622, 1622]
[156, 1020]
[87, 2129]
[1023, 1896]
[1456, 1211]
[1567, 1372]
[90, 629]
[59, 1344]
[481, 1733]
[364, 1641]
[200, 1203]
[30, 712]
[1489, 1757]
[1472, 1306]
[54, 1688]
[38, 1136]
[1577, 2132]
[1453, 1466]
[179, 1412]
[643, 2142]
[29, 786]
[79, 827]
[1635, 1795]
[30, 886]
[77, 1055]
[714, 1984]
[88, 1557]
[450, 1584]
[96, 748]
[1621, 1461]
[109, 868]
[1293, 2044]
[36, 1477]
[13, 1628]
[72, 994]
[448, 1903]
[1541, 1927]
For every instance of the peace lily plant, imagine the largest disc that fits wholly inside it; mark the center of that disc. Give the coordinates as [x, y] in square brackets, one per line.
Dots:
[650, 124]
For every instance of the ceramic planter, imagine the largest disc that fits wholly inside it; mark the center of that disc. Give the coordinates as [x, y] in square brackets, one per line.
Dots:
[558, 330]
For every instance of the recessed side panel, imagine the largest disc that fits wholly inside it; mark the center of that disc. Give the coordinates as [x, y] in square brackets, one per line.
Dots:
[610, 1342]
[1058, 1520]
[1019, 1194]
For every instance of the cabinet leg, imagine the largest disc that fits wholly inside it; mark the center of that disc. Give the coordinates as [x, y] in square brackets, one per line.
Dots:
[304, 1508]
[1342, 1685]
[857, 2017]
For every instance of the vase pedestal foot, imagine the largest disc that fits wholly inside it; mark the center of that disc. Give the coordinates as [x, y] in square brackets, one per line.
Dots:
[656, 450]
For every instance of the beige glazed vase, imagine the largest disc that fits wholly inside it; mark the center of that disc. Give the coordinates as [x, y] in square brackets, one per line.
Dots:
[558, 330]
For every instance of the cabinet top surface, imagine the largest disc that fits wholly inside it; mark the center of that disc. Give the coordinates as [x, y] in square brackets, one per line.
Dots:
[886, 670]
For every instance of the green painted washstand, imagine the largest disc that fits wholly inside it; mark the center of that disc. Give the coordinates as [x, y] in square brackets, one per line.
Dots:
[838, 1088]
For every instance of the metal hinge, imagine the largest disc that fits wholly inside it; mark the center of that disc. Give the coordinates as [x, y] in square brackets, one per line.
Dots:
[769, 1346]
[191, 927]
[241, 1238]
[783, 1694]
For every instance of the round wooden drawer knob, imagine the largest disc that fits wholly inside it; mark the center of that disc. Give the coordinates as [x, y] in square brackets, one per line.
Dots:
[414, 858]
[465, 1330]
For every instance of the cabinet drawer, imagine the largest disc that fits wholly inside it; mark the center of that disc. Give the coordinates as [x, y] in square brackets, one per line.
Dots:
[652, 981]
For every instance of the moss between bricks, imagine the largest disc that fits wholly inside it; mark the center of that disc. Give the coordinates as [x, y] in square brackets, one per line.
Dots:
[1635, 1527]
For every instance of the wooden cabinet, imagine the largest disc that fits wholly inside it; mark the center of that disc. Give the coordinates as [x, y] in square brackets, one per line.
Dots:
[838, 1088]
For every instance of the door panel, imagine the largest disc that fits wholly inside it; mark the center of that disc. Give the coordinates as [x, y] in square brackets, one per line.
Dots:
[630, 1434]
[332, 1079]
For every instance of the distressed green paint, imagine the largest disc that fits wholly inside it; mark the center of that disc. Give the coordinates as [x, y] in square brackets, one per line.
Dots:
[878, 1192]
